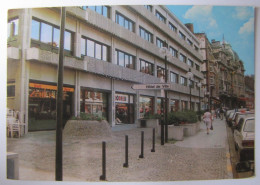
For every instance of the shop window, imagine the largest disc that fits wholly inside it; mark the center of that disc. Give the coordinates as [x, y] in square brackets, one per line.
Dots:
[124, 108]
[124, 22]
[146, 67]
[146, 106]
[12, 27]
[94, 49]
[125, 60]
[174, 105]
[49, 35]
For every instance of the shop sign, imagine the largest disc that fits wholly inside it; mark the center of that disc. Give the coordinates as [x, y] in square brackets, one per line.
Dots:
[121, 98]
[151, 86]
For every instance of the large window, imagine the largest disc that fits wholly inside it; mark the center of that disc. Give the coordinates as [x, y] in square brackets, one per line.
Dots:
[174, 77]
[174, 52]
[182, 36]
[190, 62]
[146, 105]
[148, 7]
[160, 16]
[145, 34]
[160, 72]
[125, 22]
[172, 27]
[12, 27]
[94, 49]
[197, 67]
[11, 89]
[146, 67]
[125, 59]
[183, 81]
[182, 58]
[102, 10]
[159, 43]
[50, 34]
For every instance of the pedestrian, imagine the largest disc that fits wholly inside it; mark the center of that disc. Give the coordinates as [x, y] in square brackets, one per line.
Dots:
[221, 113]
[207, 118]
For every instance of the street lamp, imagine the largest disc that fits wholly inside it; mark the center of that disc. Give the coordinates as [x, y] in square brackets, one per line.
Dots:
[190, 76]
[199, 85]
[165, 52]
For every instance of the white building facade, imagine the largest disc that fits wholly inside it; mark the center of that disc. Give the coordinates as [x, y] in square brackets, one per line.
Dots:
[108, 49]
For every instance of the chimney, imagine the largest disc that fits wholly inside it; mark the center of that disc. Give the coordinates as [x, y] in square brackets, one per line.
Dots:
[190, 27]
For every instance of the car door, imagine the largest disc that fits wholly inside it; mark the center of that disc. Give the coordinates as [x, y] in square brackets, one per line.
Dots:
[237, 133]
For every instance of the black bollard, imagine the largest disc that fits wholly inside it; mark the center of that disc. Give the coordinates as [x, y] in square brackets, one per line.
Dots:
[162, 132]
[126, 152]
[103, 176]
[153, 149]
[142, 145]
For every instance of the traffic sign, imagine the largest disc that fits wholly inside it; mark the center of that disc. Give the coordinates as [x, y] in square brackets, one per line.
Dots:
[151, 86]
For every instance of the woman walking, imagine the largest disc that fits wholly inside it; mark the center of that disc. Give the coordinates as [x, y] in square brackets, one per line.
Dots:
[207, 118]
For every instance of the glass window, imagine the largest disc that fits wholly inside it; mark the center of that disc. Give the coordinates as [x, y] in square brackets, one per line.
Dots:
[160, 16]
[56, 37]
[145, 34]
[190, 62]
[249, 126]
[35, 30]
[183, 81]
[98, 51]
[46, 33]
[174, 105]
[197, 67]
[160, 72]
[174, 77]
[146, 67]
[90, 48]
[174, 52]
[125, 22]
[172, 27]
[83, 46]
[146, 106]
[125, 60]
[67, 40]
[159, 43]
[11, 89]
[104, 53]
[99, 9]
[148, 7]
[182, 36]
[182, 58]
[12, 27]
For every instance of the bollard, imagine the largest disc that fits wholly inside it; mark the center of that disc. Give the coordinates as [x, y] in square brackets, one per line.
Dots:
[162, 132]
[153, 149]
[103, 176]
[142, 145]
[126, 152]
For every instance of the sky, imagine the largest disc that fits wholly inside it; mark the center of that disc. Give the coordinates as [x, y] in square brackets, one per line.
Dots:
[234, 23]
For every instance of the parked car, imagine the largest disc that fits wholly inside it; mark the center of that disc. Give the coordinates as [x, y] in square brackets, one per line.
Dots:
[237, 114]
[229, 119]
[244, 138]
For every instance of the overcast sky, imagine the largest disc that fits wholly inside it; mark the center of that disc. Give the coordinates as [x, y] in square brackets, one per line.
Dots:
[236, 24]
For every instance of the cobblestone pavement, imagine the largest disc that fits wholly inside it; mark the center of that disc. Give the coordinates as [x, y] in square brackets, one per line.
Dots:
[175, 161]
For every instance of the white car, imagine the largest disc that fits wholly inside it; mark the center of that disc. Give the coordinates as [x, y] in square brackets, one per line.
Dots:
[244, 137]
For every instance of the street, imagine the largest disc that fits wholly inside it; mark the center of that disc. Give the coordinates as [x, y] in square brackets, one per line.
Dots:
[199, 157]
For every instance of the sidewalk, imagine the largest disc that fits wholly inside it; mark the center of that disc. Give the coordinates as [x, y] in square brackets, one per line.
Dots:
[200, 157]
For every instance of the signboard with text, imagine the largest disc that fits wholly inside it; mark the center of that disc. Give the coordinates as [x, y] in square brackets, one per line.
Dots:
[151, 86]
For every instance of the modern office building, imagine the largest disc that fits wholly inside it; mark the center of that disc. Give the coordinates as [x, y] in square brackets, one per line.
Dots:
[108, 49]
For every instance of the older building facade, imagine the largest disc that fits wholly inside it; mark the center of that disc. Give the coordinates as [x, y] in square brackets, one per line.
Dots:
[223, 72]
[108, 49]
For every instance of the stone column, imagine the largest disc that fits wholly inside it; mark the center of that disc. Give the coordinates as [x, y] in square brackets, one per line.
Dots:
[77, 94]
[111, 104]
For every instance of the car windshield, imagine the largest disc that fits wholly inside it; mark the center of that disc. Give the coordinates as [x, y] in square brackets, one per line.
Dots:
[249, 125]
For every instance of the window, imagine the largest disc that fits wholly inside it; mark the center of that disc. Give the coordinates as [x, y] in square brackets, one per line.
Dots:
[197, 67]
[172, 27]
[146, 67]
[160, 72]
[174, 77]
[182, 36]
[94, 49]
[125, 22]
[50, 35]
[102, 10]
[145, 34]
[12, 27]
[189, 42]
[183, 81]
[190, 62]
[124, 59]
[196, 48]
[159, 43]
[11, 89]
[191, 83]
[160, 16]
[174, 52]
[148, 7]
[182, 58]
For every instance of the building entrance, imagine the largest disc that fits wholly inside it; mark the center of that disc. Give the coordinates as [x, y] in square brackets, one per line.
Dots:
[124, 109]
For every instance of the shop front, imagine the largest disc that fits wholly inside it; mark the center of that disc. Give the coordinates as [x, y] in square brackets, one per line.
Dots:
[124, 108]
[42, 105]
[94, 103]
[174, 105]
[146, 106]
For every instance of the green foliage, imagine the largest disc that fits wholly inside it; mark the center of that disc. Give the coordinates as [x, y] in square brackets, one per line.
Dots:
[179, 117]
[152, 116]
[85, 116]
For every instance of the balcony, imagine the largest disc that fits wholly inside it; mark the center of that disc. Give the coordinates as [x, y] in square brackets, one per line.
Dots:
[13, 53]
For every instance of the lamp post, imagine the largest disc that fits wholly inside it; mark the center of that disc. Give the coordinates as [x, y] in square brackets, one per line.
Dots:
[199, 85]
[164, 51]
[190, 75]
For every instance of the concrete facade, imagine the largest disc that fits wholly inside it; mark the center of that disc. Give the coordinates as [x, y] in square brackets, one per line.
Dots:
[31, 61]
